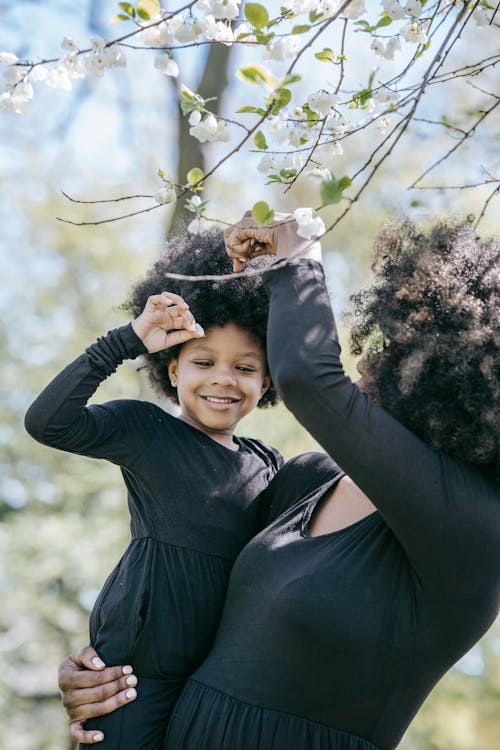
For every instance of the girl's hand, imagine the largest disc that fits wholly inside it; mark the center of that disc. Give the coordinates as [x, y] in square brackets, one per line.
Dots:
[162, 314]
[89, 688]
[245, 240]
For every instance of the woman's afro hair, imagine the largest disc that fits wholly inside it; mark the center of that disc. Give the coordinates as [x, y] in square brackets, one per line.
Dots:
[429, 328]
[243, 300]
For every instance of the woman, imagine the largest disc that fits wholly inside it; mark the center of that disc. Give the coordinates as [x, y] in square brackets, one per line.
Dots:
[367, 585]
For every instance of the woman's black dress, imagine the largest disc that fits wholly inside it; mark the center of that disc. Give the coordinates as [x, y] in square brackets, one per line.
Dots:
[333, 642]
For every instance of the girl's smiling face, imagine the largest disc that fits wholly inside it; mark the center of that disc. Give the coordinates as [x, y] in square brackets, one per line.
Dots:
[219, 378]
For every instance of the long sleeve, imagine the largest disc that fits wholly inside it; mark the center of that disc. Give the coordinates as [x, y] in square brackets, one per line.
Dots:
[60, 418]
[444, 513]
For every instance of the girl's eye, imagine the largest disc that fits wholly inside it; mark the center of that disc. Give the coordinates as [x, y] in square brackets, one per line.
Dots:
[245, 368]
[202, 362]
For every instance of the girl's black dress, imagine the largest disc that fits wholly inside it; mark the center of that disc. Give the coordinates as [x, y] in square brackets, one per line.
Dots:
[333, 642]
[193, 507]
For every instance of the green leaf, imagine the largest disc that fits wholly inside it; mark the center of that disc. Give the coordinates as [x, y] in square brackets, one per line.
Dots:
[190, 101]
[255, 110]
[315, 15]
[345, 182]
[260, 140]
[256, 14]
[326, 55]
[161, 173]
[194, 175]
[128, 8]
[384, 21]
[263, 38]
[416, 203]
[301, 29]
[287, 174]
[278, 99]
[331, 190]
[312, 116]
[147, 8]
[261, 213]
[290, 78]
[256, 74]
[119, 17]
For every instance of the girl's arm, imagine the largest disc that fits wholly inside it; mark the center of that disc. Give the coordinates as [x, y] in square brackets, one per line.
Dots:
[60, 417]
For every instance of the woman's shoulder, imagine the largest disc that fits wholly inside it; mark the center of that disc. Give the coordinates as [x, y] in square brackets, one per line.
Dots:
[298, 477]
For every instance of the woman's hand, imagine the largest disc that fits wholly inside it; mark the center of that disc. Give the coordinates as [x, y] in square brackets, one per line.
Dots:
[162, 314]
[245, 240]
[89, 688]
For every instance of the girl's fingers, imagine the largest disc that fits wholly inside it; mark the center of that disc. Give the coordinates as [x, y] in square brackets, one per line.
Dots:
[89, 736]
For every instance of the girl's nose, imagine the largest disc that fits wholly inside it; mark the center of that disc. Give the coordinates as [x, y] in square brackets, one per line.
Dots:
[223, 376]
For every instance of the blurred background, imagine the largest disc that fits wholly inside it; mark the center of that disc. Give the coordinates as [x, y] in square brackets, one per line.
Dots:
[63, 518]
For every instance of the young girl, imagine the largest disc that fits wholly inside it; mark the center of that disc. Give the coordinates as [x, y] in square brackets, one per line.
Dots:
[192, 485]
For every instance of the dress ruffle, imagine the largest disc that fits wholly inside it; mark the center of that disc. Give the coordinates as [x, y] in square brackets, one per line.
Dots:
[207, 719]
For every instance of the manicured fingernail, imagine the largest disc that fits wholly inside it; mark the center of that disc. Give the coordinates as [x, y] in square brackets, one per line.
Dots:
[98, 737]
[199, 329]
[131, 693]
[98, 662]
[132, 680]
[127, 669]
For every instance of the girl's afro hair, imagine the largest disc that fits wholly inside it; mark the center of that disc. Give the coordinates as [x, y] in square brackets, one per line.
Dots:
[243, 300]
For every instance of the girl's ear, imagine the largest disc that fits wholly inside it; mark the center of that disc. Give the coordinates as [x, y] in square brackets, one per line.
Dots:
[172, 372]
[265, 385]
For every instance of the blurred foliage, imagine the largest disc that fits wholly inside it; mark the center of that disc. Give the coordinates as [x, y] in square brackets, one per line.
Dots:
[63, 518]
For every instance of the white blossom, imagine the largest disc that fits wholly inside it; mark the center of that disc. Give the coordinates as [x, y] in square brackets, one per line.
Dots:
[281, 49]
[8, 58]
[199, 224]
[114, 57]
[303, 6]
[355, 9]
[97, 43]
[168, 29]
[208, 129]
[278, 128]
[414, 8]
[167, 65]
[393, 45]
[393, 9]
[165, 195]
[151, 36]
[335, 149]
[309, 224]
[39, 73]
[72, 65]
[13, 75]
[95, 63]
[189, 31]
[322, 101]
[337, 125]
[69, 45]
[58, 79]
[382, 124]
[278, 162]
[217, 31]
[9, 103]
[327, 7]
[414, 32]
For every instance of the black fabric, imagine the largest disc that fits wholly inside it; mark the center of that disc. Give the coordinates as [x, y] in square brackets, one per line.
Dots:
[193, 505]
[333, 642]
